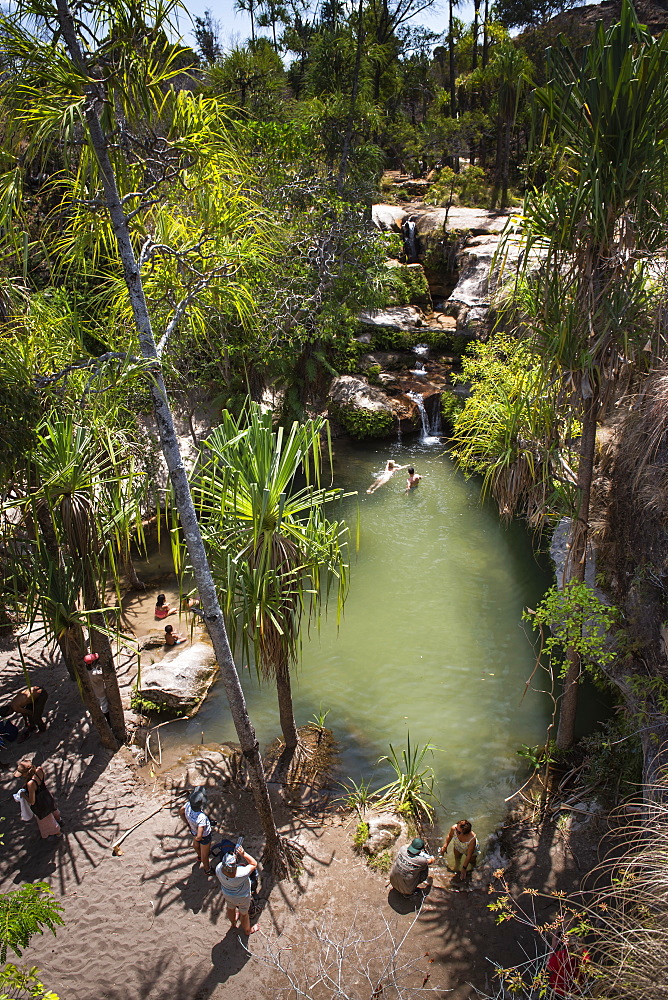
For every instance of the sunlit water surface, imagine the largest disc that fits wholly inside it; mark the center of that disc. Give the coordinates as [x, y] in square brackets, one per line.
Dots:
[431, 642]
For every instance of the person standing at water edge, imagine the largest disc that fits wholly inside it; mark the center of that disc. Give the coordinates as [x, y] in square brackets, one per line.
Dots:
[236, 887]
[413, 479]
[411, 866]
[200, 826]
[464, 845]
[387, 473]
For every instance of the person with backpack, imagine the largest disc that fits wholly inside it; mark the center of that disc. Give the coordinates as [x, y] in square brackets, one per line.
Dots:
[235, 885]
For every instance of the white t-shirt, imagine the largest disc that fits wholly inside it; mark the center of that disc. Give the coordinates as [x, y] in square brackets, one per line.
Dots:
[195, 820]
[97, 683]
[238, 885]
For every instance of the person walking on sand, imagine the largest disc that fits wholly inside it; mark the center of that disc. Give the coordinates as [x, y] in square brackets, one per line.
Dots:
[40, 799]
[464, 845]
[413, 479]
[235, 886]
[163, 610]
[29, 704]
[387, 473]
[411, 867]
[200, 826]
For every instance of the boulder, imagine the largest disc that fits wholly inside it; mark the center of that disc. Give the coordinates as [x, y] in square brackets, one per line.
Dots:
[472, 288]
[411, 285]
[389, 218]
[394, 318]
[388, 360]
[361, 409]
[179, 682]
[384, 829]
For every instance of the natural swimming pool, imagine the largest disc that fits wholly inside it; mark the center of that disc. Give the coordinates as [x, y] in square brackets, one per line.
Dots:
[431, 641]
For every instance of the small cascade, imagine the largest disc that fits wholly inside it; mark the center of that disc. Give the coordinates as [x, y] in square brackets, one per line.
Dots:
[410, 241]
[419, 369]
[430, 434]
[422, 350]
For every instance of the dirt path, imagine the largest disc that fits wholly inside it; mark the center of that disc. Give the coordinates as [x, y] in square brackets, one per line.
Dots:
[148, 925]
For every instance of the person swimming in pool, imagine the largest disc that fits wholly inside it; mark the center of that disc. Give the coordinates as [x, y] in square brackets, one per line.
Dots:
[386, 475]
[413, 478]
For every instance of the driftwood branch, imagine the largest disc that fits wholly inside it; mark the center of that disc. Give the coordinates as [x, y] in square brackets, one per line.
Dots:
[181, 718]
[117, 843]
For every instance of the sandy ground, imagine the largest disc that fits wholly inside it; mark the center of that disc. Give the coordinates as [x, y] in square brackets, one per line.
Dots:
[149, 925]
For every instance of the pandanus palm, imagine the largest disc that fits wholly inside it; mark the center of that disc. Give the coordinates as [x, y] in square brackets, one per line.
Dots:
[275, 554]
[603, 116]
[81, 500]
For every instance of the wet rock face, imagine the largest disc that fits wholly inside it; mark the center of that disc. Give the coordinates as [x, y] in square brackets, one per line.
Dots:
[455, 247]
[405, 318]
[362, 410]
[384, 830]
[179, 682]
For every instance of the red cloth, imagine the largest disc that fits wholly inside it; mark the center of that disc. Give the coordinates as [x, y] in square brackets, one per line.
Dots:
[162, 611]
[565, 969]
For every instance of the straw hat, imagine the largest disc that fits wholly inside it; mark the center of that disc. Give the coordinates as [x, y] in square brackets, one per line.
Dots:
[24, 769]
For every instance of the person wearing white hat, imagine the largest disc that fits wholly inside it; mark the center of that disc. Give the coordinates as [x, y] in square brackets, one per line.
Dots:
[236, 887]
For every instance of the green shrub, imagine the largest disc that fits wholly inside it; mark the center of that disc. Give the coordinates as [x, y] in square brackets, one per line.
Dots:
[25, 912]
[144, 706]
[613, 759]
[381, 863]
[468, 187]
[361, 834]
[387, 338]
[409, 286]
[362, 424]
[372, 373]
[451, 406]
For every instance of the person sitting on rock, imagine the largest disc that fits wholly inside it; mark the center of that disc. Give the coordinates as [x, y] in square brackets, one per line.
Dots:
[173, 638]
[163, 610]
[411, 867]
[386, 475]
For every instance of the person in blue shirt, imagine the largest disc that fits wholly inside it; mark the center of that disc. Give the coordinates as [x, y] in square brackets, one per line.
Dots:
[200, 826]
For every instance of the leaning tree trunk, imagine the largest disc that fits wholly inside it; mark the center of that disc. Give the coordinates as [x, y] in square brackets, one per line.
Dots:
[348, 138]
[505, 163]
[577, 563]
[276, 851]
[451, 55]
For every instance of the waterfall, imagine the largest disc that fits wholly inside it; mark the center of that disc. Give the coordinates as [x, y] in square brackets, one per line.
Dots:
[410, 241]
[430, 430]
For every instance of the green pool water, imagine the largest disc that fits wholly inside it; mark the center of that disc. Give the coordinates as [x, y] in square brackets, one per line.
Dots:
[431, 640]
